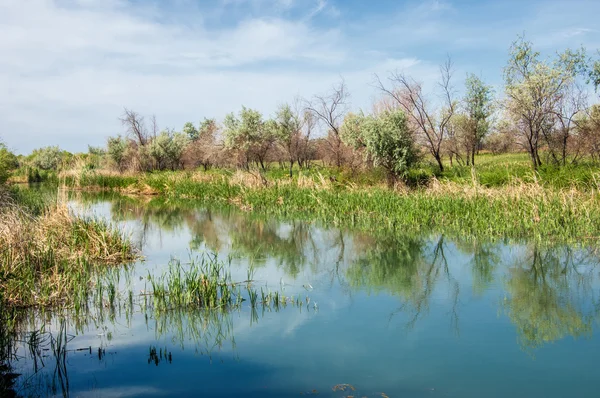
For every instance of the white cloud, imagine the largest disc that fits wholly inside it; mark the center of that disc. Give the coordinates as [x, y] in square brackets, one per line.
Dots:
[69, 69]
[69, 66]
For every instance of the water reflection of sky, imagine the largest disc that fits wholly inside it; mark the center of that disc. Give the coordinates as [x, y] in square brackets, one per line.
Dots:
[400, 315]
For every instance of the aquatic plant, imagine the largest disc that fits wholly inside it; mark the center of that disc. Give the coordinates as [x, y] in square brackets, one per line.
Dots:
[50, 259]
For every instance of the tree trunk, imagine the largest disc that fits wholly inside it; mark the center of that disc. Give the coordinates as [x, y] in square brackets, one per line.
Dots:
[438, 159]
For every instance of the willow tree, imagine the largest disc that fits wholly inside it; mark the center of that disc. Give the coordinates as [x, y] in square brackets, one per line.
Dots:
[429, 119]
[287, 129]
[116, 148]
[535, 89]
[167, 149]
[8, 162]
[478, 106]
[386, 139]
[250, 135]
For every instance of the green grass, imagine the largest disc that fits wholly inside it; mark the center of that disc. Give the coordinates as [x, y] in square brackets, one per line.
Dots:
[206, 283]
[500, 198]
[501, 170]
[48, 259]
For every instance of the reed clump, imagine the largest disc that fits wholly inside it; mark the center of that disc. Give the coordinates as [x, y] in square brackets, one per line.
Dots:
[206, 283]
[45, 259]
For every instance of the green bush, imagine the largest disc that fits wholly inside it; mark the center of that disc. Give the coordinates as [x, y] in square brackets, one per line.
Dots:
[8, 162]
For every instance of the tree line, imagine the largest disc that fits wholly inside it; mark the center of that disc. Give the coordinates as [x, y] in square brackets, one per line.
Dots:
[545, 111]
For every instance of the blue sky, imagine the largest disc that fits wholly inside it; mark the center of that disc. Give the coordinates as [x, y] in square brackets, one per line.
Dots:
[70, 66]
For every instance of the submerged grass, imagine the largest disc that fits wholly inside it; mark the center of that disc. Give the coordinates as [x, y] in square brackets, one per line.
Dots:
[50, 258]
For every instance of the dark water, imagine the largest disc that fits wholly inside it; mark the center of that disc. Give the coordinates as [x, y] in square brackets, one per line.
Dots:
[397, 316]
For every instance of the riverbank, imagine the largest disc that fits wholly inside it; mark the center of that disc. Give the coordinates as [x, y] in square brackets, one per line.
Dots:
[516, 209]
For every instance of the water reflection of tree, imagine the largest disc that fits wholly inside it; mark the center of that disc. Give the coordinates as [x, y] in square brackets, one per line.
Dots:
[257, 241]
[254, 239]
[408, 267]
[484, 259]
[549, 294]
[548, 289]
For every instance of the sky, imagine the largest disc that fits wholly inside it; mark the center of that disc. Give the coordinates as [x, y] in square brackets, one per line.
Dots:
[69, 67]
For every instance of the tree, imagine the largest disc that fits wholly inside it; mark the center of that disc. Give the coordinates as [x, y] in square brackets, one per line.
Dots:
[430, 122]
[167, 149]
[135, 126]
[478, 109]
[594, 73]
[190, 131]
[330, 110]
[8, 162]
[385, 138]
[288, 128]
[534, 91]
[47, 158]
[250, 136]
[202, 150]
[116, 147]
[458, 141]
[588, 128]
[570, 104]
[306, 151]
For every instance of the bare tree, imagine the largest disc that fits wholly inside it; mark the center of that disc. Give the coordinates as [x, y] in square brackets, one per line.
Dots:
[430, 122]
[154, 126]
[588, 132]
[304, 152]
[136, 128]
[570, 104]
[330, 110]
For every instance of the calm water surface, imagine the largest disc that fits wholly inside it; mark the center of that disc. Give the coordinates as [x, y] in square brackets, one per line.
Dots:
[396, 316]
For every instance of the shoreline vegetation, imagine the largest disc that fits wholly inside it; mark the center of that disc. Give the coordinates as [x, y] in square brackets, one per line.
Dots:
[48, 255]
[554, 207]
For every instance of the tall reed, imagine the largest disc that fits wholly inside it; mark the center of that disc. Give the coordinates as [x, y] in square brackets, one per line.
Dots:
[50, 258]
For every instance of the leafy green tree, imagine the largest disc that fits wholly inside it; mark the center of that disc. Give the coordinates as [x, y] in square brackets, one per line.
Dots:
[249, 135]
[385, 138]
[47, 158]
[190, 131]
[167, 149]
[288, 129]
[116, 149]
[478, 109]
[534, 90]
[8, 162]
[594, 73]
